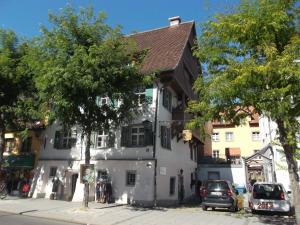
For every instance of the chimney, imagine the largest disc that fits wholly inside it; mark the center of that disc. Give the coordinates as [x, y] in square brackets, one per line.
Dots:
[174, 21]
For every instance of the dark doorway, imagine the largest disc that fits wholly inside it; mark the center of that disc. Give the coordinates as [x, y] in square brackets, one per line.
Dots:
[180, 188]
[73, 183]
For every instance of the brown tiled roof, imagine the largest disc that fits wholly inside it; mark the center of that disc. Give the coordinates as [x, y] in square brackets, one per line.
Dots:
[164, 46]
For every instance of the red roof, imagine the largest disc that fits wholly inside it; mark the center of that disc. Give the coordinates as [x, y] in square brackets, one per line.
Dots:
[165, 46]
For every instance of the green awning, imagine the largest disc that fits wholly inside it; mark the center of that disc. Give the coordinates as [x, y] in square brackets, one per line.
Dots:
[19, 161]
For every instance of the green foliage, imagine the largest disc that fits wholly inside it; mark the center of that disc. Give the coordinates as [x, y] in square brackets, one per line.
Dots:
[249, 58]
[81, 59]
[18, 99]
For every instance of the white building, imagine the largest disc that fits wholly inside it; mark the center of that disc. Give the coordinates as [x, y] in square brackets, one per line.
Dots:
[145, 161]
[271, 157]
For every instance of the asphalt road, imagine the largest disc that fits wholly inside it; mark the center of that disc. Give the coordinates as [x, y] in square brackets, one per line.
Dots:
[17, 219]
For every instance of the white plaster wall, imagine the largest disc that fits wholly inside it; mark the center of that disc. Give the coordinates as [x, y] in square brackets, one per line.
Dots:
[49, 152]
[235, 175]
[142, 191]
[173, 160]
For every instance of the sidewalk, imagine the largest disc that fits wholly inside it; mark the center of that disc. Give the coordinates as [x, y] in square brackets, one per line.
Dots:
[112, 214]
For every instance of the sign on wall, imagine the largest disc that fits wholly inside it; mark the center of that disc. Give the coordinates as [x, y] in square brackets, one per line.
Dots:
[163, 171]
[187, 135]
[87, 173]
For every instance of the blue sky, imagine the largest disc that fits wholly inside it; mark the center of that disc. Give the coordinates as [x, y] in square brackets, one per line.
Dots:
[26, 16]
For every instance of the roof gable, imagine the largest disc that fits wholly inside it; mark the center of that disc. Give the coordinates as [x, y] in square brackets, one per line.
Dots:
[165, 46]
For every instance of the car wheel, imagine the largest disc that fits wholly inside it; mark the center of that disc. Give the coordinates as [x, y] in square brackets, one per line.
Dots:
[204, 208]
[233, 208]
[213, 208]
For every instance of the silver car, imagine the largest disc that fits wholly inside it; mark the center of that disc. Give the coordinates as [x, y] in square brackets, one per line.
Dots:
[269, 197]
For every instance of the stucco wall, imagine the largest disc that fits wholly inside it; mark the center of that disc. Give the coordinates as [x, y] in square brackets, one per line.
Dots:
[242, 138]
[235, 174]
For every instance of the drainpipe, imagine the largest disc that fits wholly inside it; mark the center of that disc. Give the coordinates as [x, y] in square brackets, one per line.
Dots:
[154, 146]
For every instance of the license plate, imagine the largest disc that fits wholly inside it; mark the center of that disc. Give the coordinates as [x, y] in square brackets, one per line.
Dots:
[265, 205]
[216, 193]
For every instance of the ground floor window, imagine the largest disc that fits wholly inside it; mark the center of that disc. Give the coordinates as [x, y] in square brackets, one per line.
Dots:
[130, 178]
[53, 171]
[102, 175]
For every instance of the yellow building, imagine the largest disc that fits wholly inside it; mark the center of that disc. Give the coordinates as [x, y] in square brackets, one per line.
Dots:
[20, 157]
[228, 142]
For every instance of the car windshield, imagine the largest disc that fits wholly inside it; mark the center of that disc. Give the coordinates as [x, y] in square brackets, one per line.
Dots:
[267, 191]
[217, 185]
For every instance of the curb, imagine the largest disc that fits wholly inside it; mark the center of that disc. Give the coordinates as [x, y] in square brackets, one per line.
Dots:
[45, 217]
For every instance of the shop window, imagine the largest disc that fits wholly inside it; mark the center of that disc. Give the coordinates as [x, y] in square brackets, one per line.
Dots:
[10, 144]
[53, 171]
[26, 145]
[102, 174]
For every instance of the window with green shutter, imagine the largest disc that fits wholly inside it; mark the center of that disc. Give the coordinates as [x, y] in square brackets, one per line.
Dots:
[165, 137]
[65, 139]
[149, 95]
[137, 135]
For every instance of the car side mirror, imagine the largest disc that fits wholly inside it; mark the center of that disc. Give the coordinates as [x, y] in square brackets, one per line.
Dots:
[289, 192]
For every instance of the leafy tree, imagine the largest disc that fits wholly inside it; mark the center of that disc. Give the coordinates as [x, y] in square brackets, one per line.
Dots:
[18, 99]
[79, 60]
[249, 57]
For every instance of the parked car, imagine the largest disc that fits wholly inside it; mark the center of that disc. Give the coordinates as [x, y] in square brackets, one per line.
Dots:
[219, 194]
[269, 197]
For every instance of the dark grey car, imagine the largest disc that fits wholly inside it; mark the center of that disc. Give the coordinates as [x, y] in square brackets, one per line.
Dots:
[219, 194]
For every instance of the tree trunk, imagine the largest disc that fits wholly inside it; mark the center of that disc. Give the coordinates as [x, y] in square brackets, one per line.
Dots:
[2, 140]
[87, 162]
[292, 167]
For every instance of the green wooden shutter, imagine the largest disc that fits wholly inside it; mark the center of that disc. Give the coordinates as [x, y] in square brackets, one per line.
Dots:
[73, 137]
[149, 95]
[57, 139]
[98, 99]
[111, 139]
[148, 133]
[125, 136]
[162, 134]
[94, 139]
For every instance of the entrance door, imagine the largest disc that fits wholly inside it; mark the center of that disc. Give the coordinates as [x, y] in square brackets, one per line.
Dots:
[73, 183]
[180, 188]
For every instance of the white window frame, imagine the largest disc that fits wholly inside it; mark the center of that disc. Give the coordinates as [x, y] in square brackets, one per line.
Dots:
[255, 136]
[139, 134]
[215, 136]
[104, 137]
[66, 138]
[141, 91]
[229, 136]
[216, 154]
